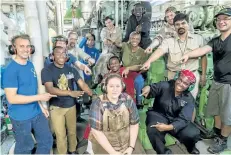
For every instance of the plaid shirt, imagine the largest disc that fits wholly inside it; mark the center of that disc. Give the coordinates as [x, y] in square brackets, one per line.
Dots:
[98, 107]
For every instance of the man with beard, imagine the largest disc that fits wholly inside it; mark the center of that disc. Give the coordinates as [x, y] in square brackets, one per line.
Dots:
[219, 101]
[138, 22]
[168, 30]
[172, 112]
[176, 47]
[76, 51]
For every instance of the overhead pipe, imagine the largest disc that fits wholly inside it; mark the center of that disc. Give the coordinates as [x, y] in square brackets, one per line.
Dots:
[58, 17]
[116, 13]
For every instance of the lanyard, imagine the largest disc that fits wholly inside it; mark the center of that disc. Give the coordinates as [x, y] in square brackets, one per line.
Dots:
[182, 66]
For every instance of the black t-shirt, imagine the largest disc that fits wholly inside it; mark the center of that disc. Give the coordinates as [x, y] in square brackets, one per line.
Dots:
[221, 59]
[62, 78]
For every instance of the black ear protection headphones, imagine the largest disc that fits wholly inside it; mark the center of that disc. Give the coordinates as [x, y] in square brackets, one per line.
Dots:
[112, 57]
[59, 38]
[110, 76]
[51, 55]
[12, 49]
[190, 88]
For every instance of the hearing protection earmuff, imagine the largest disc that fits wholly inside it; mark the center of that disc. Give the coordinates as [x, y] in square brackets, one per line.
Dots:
[12, 49]
[59, 38]
[110, 76]
[190, 88]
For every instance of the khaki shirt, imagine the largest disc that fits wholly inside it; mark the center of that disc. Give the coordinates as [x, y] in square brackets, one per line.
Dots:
[130, 58]
[79, 53]
[168, 31]
[176, 49]
[114, 36]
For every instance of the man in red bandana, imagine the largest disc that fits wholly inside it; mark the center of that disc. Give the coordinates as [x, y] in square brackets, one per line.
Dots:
[172, 112]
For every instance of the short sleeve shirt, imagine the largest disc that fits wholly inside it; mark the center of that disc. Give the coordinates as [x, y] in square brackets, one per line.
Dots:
[24, 79]
[130, 58]
[221, 59]
[63, 79]
[98, 107]
[176, 49]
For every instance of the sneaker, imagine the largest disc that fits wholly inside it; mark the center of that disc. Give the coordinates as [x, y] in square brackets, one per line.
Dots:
[75, 152]
[219, 146]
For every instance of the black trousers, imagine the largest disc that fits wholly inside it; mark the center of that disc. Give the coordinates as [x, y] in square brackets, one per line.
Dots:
[189, 135]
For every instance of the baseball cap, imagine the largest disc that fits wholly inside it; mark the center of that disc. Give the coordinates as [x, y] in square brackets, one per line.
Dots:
[225, 11]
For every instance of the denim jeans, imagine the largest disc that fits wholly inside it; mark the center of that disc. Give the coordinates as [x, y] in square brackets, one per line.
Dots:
[139, 84]
[22, 132]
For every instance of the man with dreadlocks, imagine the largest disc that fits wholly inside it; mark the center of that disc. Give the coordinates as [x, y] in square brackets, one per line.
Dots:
[172, 112]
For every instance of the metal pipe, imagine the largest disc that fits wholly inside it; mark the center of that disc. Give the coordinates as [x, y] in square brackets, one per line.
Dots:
[12, 28]
[33, 29]
[58, 16]
[122, 14]
[41, 5]
[116, 12]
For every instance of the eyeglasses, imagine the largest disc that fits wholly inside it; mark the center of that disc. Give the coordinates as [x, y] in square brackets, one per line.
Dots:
[224, 19]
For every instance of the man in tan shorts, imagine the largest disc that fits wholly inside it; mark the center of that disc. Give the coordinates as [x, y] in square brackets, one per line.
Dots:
[219, 102]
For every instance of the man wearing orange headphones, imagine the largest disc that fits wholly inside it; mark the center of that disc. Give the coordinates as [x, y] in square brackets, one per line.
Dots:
[60, 79]
[172, 112]
[25, 111]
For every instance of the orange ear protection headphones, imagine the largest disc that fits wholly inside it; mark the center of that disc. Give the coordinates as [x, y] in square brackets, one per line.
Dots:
[12, 49]
[54, 41]
[111, 76]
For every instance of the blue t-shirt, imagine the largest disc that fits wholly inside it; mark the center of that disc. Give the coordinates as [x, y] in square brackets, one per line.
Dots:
[24, 78]
[93, 52]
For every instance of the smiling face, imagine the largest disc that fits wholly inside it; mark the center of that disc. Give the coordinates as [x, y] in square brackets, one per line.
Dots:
[114, 65]
[169, 17]
[135, 39]
[72, 40]
[223, 23]
[23, 48]
[182, 84]
[60, 56]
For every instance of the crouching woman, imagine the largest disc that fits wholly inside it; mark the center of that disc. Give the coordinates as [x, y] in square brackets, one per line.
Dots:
[114, 120]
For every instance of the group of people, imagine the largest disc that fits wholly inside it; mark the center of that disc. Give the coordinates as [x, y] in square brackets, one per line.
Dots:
[113, 116]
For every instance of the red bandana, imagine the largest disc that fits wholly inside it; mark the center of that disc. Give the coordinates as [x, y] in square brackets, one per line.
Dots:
[189, 75]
